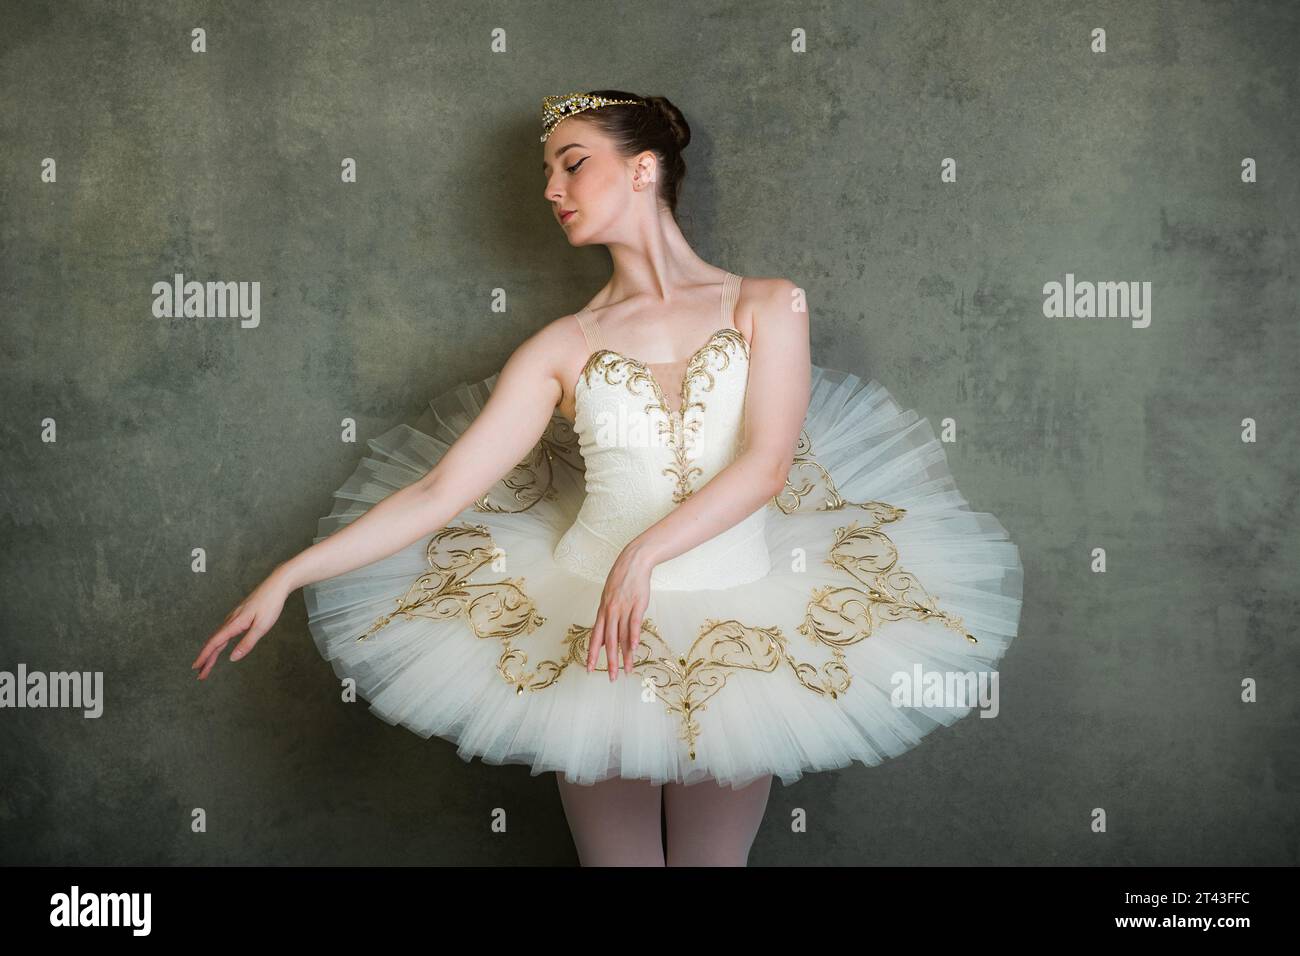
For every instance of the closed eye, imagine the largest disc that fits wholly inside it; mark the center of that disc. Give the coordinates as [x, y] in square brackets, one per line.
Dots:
[574, 167]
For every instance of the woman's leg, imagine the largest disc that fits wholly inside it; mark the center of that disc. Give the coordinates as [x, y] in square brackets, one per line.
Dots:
[712, 825]
[614, 822]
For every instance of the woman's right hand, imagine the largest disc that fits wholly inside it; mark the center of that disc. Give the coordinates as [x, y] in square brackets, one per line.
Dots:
[255, 614]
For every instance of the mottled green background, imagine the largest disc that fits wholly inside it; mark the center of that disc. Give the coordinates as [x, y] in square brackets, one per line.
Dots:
[1122, 691]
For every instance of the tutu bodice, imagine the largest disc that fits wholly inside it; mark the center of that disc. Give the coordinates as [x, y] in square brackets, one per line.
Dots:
[643, 455]
[777, 646]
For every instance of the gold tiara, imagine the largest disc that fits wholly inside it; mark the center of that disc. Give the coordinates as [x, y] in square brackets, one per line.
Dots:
[556, 108]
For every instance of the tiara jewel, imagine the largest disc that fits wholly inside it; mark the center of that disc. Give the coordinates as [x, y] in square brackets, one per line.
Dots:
[556, 108]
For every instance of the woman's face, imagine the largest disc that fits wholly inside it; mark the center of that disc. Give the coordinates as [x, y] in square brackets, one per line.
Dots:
[586, 179]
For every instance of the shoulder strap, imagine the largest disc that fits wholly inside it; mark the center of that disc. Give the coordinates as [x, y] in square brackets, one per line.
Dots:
[590, 331]
[730, 296]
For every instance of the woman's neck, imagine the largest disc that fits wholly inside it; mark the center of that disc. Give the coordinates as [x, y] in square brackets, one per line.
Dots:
[658, 265]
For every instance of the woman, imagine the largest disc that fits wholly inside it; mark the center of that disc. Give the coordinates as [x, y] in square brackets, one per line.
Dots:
[757, 543]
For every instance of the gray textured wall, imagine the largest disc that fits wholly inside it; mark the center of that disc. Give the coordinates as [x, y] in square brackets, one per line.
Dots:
[1123, 690]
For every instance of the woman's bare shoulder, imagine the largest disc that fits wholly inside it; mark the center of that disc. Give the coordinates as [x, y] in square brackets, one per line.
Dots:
[555, 346]
[562, 335]
[763, 297]
[765, 288]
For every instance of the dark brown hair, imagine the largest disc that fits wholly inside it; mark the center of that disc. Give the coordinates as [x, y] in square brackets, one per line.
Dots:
[658, 126]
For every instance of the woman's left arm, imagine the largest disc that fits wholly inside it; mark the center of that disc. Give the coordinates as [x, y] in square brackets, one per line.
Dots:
[776, 404]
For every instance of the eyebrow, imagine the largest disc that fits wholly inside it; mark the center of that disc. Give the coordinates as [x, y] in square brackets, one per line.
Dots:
[561, 151]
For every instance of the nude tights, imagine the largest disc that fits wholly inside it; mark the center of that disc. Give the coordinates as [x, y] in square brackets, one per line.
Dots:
[616, 822]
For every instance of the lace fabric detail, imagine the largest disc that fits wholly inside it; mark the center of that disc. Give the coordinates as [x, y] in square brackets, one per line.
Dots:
[736, 556]
[584, 552]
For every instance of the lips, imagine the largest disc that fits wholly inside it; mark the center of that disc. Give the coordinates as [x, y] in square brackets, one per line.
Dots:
[565, 216]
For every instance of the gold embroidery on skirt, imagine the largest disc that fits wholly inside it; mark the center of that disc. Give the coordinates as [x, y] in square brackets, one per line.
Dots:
[791, 499]
[493, 609]
[836, 616]
[686, 682]
[558, 442]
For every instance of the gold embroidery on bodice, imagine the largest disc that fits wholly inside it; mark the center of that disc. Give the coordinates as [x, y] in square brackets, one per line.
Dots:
[680, 423]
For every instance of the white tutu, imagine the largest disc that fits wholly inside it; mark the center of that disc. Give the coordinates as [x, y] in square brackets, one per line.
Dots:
[879, 572]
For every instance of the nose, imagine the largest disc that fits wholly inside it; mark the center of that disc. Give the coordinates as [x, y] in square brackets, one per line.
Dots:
[553, 189]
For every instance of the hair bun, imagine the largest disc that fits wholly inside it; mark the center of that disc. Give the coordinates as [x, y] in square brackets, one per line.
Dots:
[672, 117]
[653, 124]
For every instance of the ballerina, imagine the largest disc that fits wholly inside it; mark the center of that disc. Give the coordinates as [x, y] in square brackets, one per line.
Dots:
[660, 487]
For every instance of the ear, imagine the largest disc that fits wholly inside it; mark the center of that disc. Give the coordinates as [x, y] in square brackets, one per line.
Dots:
[645, 170]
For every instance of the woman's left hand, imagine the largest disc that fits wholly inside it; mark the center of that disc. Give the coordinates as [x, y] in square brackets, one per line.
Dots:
[624, 600]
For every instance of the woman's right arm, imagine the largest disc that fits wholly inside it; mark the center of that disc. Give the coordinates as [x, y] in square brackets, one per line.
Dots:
[513, 419]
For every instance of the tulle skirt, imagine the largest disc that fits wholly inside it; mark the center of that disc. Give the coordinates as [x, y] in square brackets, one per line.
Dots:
[887, 607]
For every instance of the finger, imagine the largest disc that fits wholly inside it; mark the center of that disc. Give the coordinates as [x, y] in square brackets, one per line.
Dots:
[597, 633]
[233, 625]
[636, 631]
[624, 635]
[593, 647]
[212, 662]
[206, 652]
[611, 643]
[250, 640]
[633, 632]
[205, 655]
